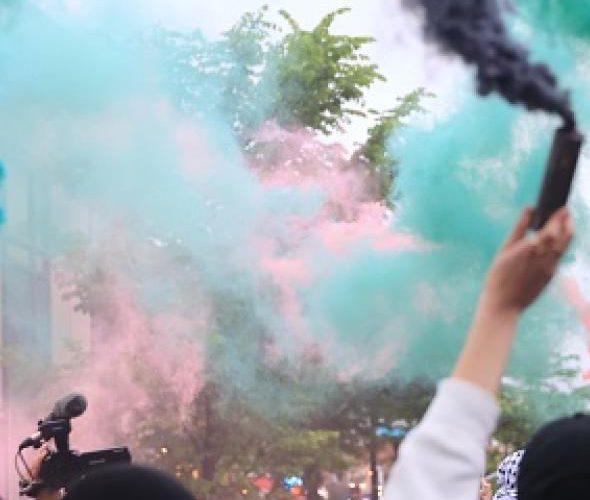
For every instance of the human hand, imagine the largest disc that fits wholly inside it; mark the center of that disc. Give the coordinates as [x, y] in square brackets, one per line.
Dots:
[49, 494]
[521, 271]
[37, 460]
[485, 490]
[526, 264]
[35, 469]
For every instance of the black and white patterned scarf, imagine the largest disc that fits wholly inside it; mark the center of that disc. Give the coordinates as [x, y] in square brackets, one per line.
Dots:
[507, 475]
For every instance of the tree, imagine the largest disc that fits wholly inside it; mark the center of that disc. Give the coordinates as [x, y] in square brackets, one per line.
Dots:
[227, 441]
[313, 80]
[375, 154]
[309, 79]
[321, 77]
[229, 77]
[307, 452]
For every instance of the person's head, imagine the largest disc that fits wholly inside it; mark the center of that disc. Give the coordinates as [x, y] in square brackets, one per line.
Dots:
[506, 475]
[556, 462]
[126, 483]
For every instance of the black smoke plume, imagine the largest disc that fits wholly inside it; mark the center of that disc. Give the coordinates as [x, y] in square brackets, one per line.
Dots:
[474, 29]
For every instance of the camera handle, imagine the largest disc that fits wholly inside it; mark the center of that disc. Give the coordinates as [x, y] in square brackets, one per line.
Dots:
[59, 431]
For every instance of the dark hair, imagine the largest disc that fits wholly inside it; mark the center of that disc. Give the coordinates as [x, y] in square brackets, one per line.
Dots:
[556, 462]
[129, 482]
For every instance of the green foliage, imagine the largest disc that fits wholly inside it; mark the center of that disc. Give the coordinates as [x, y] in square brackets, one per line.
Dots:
[227, 441]
[366, 408]
[322, 77]
[309, 79]
[225, 77]
[241, 442]
[316, 80]
[375, 154]
[298, 449]
[313, 79]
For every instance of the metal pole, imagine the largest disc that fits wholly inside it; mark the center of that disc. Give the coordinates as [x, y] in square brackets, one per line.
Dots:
[373, 462]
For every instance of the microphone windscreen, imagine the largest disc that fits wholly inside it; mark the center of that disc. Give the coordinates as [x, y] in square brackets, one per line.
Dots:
[70, 406]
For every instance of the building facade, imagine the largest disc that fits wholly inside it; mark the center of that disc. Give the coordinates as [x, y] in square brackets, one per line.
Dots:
[36, 323]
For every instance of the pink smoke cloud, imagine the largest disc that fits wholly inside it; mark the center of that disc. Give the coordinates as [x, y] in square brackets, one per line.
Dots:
[348, 217]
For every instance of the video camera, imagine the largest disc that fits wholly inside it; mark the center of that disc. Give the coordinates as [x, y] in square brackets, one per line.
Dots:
[62, 466]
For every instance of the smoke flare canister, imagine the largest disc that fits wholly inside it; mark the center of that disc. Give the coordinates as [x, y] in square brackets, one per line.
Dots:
[559, 174]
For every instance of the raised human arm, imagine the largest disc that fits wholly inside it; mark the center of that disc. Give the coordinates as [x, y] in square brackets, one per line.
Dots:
[520, 273]
[444, 456]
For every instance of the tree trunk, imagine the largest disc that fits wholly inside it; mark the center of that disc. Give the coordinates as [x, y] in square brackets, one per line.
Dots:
[312, 480]
[374, 470]
[208, 467]
[373, 461]
[209, 462]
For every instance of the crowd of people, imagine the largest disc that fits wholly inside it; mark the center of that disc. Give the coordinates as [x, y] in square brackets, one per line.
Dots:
[444, 456]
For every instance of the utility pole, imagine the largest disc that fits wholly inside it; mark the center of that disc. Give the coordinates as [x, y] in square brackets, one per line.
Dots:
[374, 471]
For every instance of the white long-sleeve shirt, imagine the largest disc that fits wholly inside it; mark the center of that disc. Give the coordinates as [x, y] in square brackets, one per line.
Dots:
[444, 456]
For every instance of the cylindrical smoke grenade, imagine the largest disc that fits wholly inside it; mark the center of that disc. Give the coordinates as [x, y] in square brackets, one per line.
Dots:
[559, 174]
